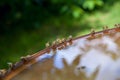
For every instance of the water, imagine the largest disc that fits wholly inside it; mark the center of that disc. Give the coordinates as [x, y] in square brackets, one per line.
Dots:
[95, 59]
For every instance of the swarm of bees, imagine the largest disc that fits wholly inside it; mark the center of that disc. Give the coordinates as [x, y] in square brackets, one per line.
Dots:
[61, 42]
[2, 72]
[24, 59]
[117, 27]
[104, 32]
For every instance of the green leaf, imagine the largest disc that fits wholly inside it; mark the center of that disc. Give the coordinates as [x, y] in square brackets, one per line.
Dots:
[89, 4]
[99, 2]
[76, 11]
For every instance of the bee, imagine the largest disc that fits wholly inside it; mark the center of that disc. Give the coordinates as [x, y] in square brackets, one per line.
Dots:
[92, 36]
[105, 27]
[105, 30]
[70, 40]
[58, 40]
[10, 64]
[2, 71]
[92, 32]
[25, 58]
[54, 46]
[70, 37]
[47, 44]
[117, 26]
[63, 40]
[54, 43]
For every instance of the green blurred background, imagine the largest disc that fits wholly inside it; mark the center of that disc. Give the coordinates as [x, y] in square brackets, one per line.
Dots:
[26, 25]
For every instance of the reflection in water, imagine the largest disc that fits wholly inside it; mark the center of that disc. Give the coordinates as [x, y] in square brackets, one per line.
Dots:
[97, 59]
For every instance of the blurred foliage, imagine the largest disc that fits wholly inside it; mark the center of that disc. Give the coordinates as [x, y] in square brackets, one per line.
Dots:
[34, 13]
[25, 25]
